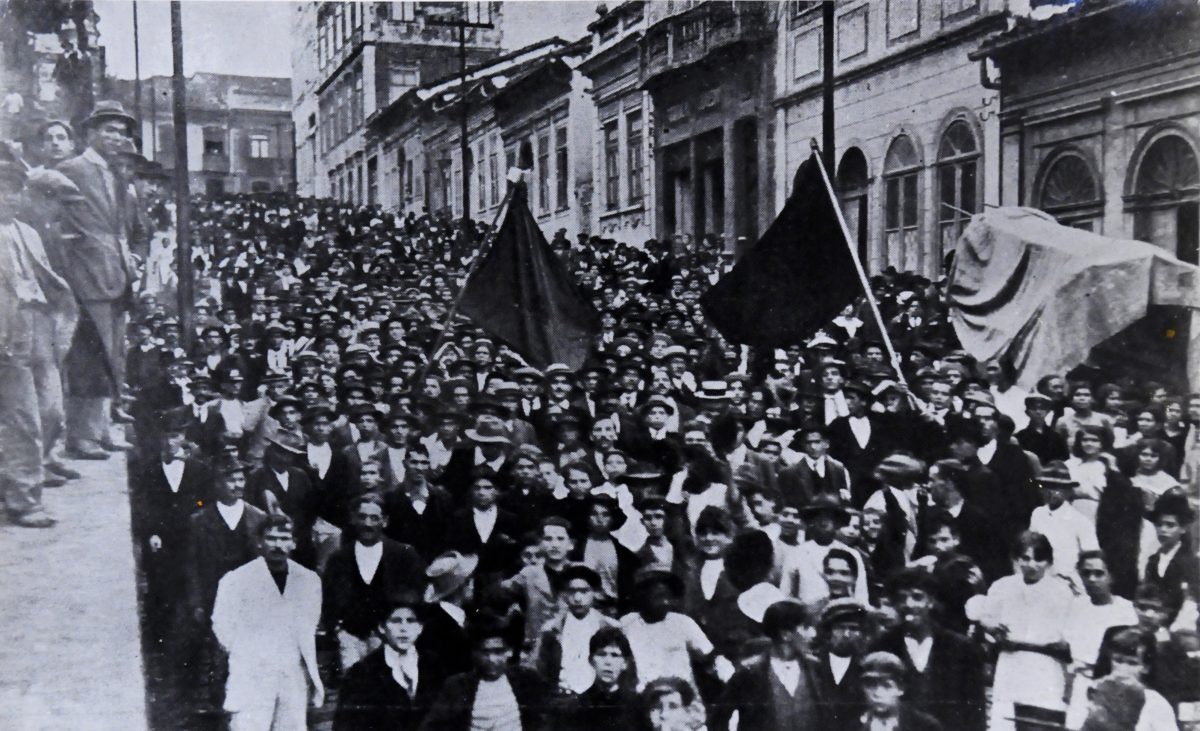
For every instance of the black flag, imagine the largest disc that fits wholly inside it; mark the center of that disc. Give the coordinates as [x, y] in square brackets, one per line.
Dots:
[797, 277]
[522, 294]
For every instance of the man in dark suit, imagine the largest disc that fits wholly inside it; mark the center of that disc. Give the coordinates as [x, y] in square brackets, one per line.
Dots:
[449, 596]
[99, 266]
[837, 669]
[362, 575]
[166, 491]
[980, 535]
[279, 486]
[516, 696]
[858, 440]
[650, 441]
[393, 686]
[221, 536]
[945, 675]
[815, 473]
[1007, 460]
[486, 531]
[781, 693]
[1039, 437]
[418, 511]
[981, 487]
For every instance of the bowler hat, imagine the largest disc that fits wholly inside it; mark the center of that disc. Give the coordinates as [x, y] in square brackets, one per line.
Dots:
[1056, 474]
[824, 503]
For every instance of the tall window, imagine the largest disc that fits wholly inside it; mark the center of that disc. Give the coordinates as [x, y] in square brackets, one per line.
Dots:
[612, 172]
[852, 190]
[260, 146]
[408, 178]
[543, 172]
[561, 167]
[901, 170]
[481, 175]
[372, 181]
[1069, 191]
[633, 155]
[958, 182]
[494, 174]
[1166, 197]
[404, 11]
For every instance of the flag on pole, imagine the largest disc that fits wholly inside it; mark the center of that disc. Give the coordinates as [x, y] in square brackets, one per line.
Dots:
[521, 293]
[798, 276]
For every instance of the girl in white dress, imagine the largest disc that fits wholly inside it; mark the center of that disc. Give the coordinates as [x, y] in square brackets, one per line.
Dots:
[1026, 614]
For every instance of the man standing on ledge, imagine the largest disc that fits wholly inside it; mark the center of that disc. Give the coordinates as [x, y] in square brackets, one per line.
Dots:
[100, 269]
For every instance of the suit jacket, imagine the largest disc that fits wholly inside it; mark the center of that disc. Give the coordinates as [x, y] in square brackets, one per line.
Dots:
[445, 639]
[266, 632]
[547, 652]
[749, 694]
[859, 461]
[1184, 568]
[596, 709]
[425, 531]
[369, 699]
[911, 719]
[456, 476]
[358, 607]
[299, 501]
[1012, 468]
[214, 550]
[842, 702]
[159, 511]
[452, 709]
[498, 554]
[952, 687]
[799, 484]
[98, 263]
[716, 616]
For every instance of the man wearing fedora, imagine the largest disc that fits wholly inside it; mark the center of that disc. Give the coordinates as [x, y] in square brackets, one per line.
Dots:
[449, 594]
[99, 266]
[280, 487]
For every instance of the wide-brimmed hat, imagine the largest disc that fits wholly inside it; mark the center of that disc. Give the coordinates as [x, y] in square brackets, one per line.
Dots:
[109, 109]
[713, 391]
[447, 573]
[288, 442]
[824, 503]
[900, 466]
[1056, 474]
[657, 401]
[486, 432]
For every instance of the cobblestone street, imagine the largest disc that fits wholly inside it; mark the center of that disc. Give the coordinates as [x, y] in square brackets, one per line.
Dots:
[71, 658]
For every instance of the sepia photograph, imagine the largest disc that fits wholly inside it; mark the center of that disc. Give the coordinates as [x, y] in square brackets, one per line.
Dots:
[600, 365]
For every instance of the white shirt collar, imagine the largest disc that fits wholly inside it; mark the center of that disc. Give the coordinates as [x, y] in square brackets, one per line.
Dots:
[282, 478]
[457, 613]
[816, 465]
[987, 451]
[485, 522]
[710, 571]
[839, 665]
[788, 672]
[174, 474]
[495, 464]
[918, 651]
[368, 558]
[403, 666]
[231, 514]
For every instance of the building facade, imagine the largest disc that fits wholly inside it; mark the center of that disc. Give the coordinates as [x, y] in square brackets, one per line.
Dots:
[239, 130]
[527, 109]
[622, 194]
[917, 126]
[351, 59]
[1107, 138]
[707, 67]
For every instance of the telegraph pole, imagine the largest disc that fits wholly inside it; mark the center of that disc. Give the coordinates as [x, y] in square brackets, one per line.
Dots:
[828, 146]
[137, 79]
[477, 14]
[183, 237]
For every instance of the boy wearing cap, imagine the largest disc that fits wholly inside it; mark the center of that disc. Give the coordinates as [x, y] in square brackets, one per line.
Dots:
[781, 693]
[1070, 533]
[883, 691]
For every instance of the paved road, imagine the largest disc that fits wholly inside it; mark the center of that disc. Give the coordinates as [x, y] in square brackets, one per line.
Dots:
[71, 655]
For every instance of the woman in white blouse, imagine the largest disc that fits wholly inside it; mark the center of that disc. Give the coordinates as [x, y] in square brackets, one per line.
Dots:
[1089, 465]
[1025, 614]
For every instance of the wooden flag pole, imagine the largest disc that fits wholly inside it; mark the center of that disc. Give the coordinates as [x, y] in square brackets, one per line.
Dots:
[862, 274]
[483, 247]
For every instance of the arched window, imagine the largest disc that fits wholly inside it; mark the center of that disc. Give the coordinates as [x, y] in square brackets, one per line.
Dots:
[901, 203]
[1166, 197]
[852, 190]
[1069, 191]
[958, 182]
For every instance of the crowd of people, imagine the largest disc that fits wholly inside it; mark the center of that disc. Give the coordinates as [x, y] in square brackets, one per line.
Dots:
[680, 534]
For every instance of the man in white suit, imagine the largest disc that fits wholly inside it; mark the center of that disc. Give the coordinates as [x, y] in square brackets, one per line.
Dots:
[265, 616]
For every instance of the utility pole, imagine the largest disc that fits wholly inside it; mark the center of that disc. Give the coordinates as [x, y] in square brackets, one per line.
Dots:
[828, 146]
[137, 79]
[475, 14]
[183, 237]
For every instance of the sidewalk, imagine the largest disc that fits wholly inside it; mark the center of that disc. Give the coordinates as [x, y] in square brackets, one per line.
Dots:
[71, 656]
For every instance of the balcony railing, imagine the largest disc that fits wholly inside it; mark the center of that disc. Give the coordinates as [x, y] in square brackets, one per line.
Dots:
[684, 38]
